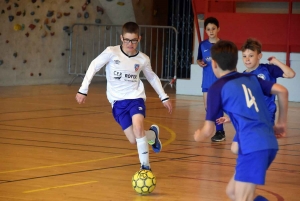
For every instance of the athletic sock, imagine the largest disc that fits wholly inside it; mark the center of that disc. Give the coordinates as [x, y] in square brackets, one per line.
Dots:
[150, 136]
[143, 150]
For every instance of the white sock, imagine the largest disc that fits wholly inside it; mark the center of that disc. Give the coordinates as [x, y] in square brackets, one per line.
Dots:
[150, 136]
[143, 150]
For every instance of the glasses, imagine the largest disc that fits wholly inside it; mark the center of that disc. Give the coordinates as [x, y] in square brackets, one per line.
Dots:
[133, 41]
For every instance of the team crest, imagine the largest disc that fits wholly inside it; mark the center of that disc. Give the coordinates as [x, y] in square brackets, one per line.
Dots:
[262, 76]
[136, 67]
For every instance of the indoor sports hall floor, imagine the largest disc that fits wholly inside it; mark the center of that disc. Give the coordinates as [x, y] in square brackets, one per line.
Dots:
[53, 149]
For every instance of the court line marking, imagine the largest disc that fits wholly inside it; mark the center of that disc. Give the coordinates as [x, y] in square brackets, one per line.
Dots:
[63, 186]
[171, 139]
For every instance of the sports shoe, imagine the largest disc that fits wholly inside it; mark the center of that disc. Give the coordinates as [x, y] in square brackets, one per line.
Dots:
[157, 146]
[144, 167]
[218, 137]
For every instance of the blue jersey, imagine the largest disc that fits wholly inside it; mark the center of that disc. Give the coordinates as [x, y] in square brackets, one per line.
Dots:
[242, 98]
[268, 72]
[204, 54]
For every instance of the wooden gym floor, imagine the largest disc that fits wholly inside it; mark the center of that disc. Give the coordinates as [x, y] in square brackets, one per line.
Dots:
[51, 148]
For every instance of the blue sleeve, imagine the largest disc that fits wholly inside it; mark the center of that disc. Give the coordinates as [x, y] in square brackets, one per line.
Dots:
[266, 86]
[274, 71]
[214, 102]
[199, 57]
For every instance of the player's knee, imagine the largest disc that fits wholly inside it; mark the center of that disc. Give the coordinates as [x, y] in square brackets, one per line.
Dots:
[132, 141]
[230, 193]
[138, 131]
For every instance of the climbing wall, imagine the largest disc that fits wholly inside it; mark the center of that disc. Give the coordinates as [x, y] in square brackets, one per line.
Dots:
[34, 37]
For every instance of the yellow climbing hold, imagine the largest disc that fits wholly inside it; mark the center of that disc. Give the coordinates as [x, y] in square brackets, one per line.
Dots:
[17, 27]
[121, 3]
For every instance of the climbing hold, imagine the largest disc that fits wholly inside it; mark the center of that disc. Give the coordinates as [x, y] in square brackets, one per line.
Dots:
[42, 1]
[52, 33]
[11, 18]
[58, 15]
[50, 60]
[40, 74]
[36, 20]
[1, 62]
[44, 34]
[31, 26]
[27, 34]
[18, 13]
[6, 1]
[7, 41]
[14, 68]
[66, 29]
[3, 11]
[33, 1]
[85, 28]
[66, 14]
[24, 61]
[41, 27]
[32, 13]
[53, 20]
[79, 15]
[120, 3]
[48, 27]
[88, 2]
[24, 13]
[17, 27]
[31, 74]
[67, 1]
[46, 21]
[99, 9]
[15, 54]
[97, 21]
[16, 5]
[83, 7]
[50, 13]
[62, 54]
[9, 7]
[83, 53]
[86, 15]
[71, 7]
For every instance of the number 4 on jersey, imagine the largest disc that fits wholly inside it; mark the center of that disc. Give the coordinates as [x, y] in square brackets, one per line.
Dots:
[250, 100]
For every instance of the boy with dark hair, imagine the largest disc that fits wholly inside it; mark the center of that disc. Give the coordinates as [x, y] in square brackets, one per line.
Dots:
[211, 26]
[241, 97]
[125, 90]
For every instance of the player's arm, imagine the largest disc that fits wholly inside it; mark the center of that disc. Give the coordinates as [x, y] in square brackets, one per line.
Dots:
[207, 131]
[200, 61]
[282, 95]
[94, 67]
[287, 71]
[155, 82]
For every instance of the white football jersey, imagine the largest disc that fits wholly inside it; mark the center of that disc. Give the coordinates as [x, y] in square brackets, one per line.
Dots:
[122, 74]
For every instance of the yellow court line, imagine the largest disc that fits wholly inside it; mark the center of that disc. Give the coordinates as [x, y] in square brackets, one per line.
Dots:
[64, 186]
[171, 139]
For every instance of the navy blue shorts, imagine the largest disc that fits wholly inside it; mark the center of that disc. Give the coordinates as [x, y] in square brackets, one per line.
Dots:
[252, 167]
[124, 110]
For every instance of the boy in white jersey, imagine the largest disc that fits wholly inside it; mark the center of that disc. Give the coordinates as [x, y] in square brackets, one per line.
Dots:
[125, 90]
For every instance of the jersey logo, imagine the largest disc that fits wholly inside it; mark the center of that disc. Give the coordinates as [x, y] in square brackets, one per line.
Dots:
[262, 76]
[117, 61]
[250, 99]
[136, 67]
[206, 50]
[140, 108]
[117, 75]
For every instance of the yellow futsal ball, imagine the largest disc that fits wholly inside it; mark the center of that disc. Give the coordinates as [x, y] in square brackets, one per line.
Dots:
[143, 182]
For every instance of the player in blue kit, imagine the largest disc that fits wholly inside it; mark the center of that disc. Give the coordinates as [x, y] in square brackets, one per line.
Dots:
[125, 91]
[241, 97]
[211, 26]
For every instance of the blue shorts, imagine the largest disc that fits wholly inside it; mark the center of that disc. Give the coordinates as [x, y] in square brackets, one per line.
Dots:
[124, 110]
[252, 167]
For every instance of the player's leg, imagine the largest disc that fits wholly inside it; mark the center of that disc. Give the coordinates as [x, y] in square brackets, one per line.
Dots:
[204, 97]
[234, 147]
[244, 191]
[230, 189]
[220, 133]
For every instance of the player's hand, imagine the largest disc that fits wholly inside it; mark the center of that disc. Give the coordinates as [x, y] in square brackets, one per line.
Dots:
[280, 130]
[80, 98]
[201, 63]
[272, 60]
[168, 105]
[223, 120]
